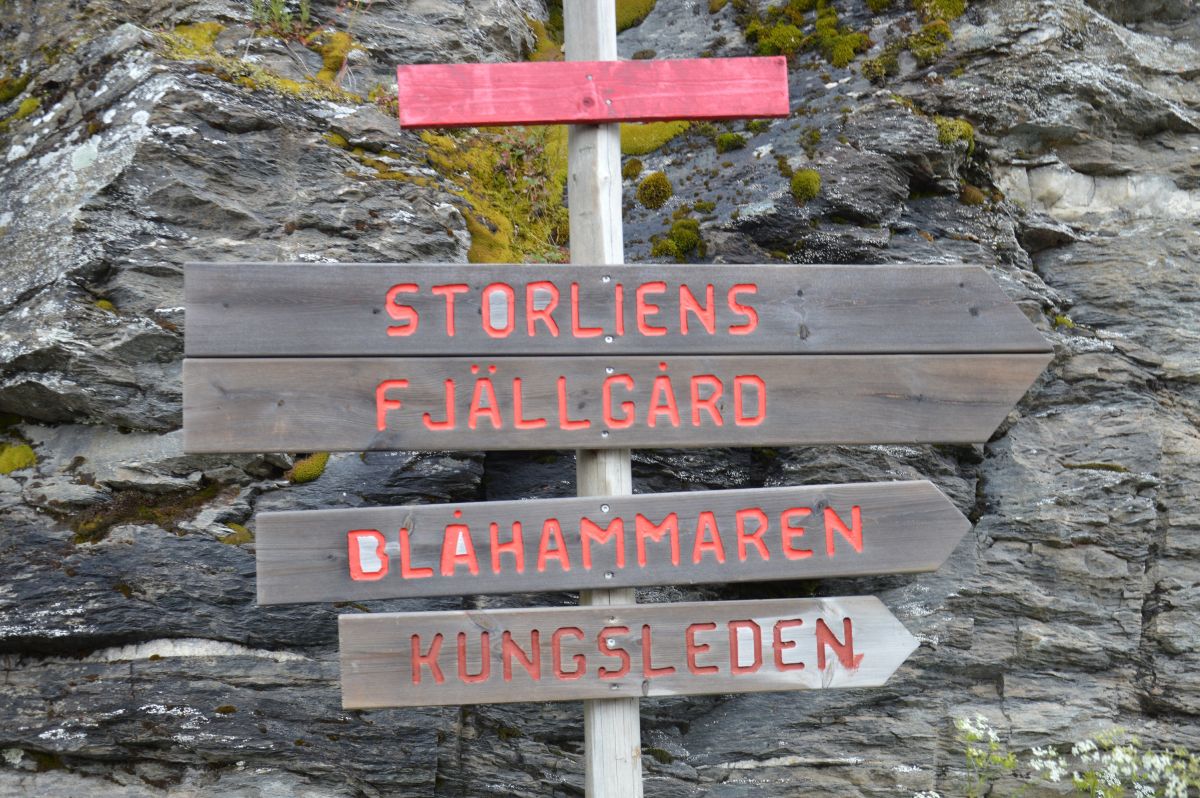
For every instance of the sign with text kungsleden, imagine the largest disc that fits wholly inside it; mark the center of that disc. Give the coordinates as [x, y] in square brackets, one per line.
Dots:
[352, 357]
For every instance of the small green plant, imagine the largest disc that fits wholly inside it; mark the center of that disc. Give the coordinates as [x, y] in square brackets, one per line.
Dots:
[730, 141]
[806, 185]
[631, 169]
[756, 126]
[928, 44]
[683, 240]
[275, 17]
[306, 469]
[952, 130]
[16, 457]
[654, 190]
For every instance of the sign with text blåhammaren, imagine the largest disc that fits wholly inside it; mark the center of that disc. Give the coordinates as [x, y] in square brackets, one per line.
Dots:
[802, 532]
[353, 357]
[616, 651]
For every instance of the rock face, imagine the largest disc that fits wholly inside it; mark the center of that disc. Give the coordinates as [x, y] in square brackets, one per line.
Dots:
[136, 661]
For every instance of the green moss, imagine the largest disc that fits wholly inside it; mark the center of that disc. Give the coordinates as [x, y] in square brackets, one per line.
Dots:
[940, 9]
[654, 190]
[704, 206]
[783, 38]
[631, 169]
[644, 55]
[886, 64]
[806, 185]
[630, 13]
[952, 130]
[512, 181]
[781, 163]
[716, 5]
[810, 141]
[238, 536]
[1116, 468]
[507, 733]
[683, 240]
[970, 195]
[545, 48]
[195, 39]
[659, 755]
[928, 44]
[14, 457]
[334, 48]
[836, 43]
[756, 126]
[138, 507]
[879, 6]
[306, 469]
[106, 305]
[11, 87]
[1064, 321]
[646, 138]
[226, 709]
[730, 141]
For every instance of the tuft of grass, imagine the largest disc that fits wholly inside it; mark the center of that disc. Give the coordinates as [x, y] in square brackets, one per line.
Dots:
[806, 185]
[630, 13]
[642, 139]
[654, 190]
[306, 469]
[15, 457]
[970, 195]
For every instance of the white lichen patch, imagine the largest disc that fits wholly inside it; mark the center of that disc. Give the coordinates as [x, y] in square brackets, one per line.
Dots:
[188, 647]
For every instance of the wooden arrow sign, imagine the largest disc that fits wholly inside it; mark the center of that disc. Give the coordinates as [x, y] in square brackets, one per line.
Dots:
[808, 532]
[580, 92]
[572, 653]
[876, 355]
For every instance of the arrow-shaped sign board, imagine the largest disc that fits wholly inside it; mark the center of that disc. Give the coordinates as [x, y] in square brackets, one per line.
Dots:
[573, 653]
[857, 355]
[582, 92]
[808, 532]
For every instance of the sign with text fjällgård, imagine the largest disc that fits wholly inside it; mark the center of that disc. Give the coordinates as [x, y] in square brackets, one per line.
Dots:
[353, 357]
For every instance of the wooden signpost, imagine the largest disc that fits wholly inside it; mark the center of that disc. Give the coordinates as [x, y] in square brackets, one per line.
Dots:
[569, 653]
[809, 532]
[307, 357]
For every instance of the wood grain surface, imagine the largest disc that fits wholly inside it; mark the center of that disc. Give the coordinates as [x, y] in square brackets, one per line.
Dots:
[802, 532]
[687, 648]
[334, 309]
[580, 92]
[359, 404]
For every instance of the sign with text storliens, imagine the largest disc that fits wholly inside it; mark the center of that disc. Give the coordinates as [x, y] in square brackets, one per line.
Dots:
[616, 651]
[311, 357]
[803, 532]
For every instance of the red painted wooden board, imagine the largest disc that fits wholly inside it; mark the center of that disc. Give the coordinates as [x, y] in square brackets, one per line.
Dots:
[581, 92]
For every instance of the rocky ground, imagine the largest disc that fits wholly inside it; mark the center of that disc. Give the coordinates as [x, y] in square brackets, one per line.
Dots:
[135, 660]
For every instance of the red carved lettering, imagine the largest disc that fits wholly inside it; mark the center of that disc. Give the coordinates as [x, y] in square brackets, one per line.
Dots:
[534, 313]
[564, 418]
[706, 403]
[619, 308]
[792, 531]
[510, 305]
[383, 404]
[484, 390]
[752, 538]
[736, 641]
[603, 642]
[458, 549]
[515, 547]
[449, 291]
[579, 660]
[552, 532]
[743, 310]
[844, 651]
[853, 533]
[648, 669]
[485, 659]
[781, 645]
[662, 400]
[694, 648]
[531, 662]
[645, 308]
[706, 315]
[645, 529]
[407, 570]
[519, 420]
[626, 407]
[707, 522]
[577, 329]
[428, 659]
[372, 537]
[739, 405]
[589, 531]
[448, 423]
[405, 314]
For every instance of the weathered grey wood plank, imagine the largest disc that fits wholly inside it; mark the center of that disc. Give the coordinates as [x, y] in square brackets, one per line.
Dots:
[358, 404]
[802, 532]
[686, 648]
[325, 309]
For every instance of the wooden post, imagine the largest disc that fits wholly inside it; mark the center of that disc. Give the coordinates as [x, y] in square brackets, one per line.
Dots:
[612, 738]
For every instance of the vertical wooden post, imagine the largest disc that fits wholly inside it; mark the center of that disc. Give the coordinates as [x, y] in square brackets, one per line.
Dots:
[612, 736]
